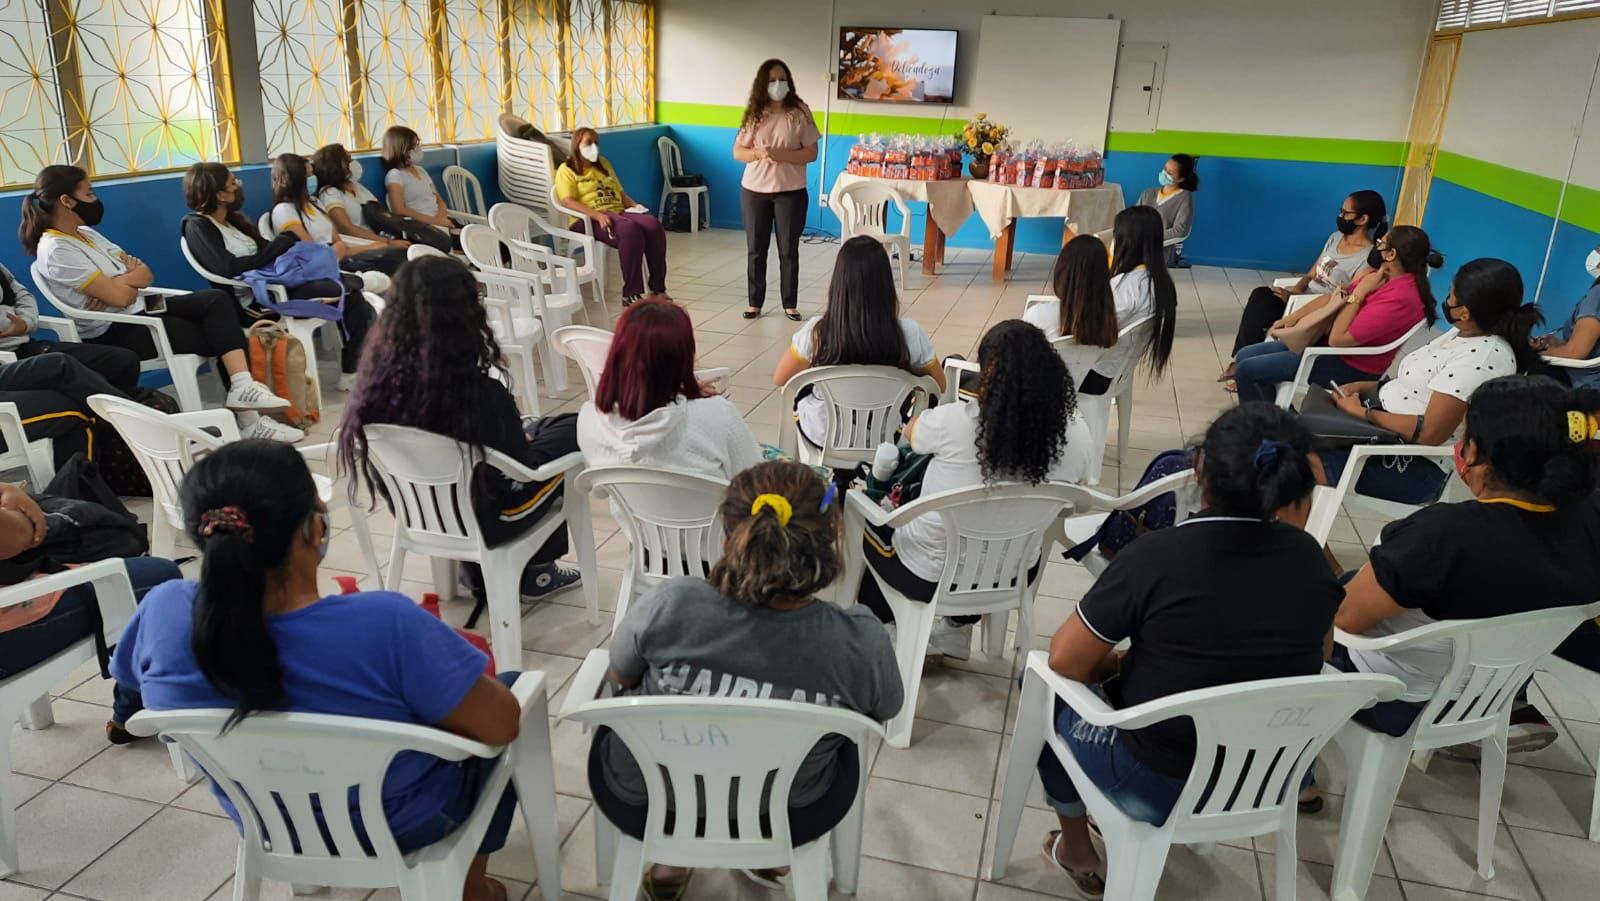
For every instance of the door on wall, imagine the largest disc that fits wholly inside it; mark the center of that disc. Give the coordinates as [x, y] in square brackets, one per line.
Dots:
[1427, 124]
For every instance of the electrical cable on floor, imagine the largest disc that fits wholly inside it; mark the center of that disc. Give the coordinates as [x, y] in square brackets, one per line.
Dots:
[817, 236]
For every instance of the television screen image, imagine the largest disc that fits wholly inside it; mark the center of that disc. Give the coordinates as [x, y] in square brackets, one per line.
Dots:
[897, 65]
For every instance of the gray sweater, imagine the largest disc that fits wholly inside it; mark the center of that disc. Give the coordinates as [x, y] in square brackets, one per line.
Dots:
[1177, 213]
[19, 302]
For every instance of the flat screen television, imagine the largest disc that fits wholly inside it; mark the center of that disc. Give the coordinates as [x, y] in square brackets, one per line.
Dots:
[897, 65]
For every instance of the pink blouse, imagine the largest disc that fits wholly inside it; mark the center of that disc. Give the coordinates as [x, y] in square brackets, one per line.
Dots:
[787, 130]
[1387, 314]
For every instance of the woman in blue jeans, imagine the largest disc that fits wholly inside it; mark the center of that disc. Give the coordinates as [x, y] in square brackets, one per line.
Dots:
[74, 616]
[1190, 600]
[255, 634]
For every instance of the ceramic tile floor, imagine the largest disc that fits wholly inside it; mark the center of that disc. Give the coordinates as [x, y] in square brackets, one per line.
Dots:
[114, 823]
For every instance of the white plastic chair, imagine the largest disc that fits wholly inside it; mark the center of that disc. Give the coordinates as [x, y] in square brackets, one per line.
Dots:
[521, 223]
[525, 169]
[26, 695]
[508, 305]
[1254, 742]
[1096, 408]
[602, 252]
[1080, 358]
[37, 457]
[992, 536]
[1288, 391]
[304, 329]
[1078, 527]
[1587, 683]
[864, 210]
[1565, 363]
[672, 165]
[588, 346]
[428, 480]
[736, 757]
[672, 520]
[464, 197]
[288, 775]
[167, 447]
[864, 405]
[1492, 659]
[1327, 504]
[183, 368]
[533, 304]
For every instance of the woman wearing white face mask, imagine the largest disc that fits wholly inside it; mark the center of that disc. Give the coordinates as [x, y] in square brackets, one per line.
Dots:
[1173, 198]
[1579, 339]
[410, 191]
[587, 183]
[777, 139]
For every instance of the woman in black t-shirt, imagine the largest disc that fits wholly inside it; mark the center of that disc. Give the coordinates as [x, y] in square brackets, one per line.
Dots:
[1528, 455]
[1191, 599]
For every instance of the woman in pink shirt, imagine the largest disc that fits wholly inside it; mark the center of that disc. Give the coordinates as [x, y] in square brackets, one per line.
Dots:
[777, 139]
[1377, 309]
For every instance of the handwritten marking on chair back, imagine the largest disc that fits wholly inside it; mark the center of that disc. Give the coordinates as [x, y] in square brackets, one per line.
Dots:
[692, 735]
[1290, 718]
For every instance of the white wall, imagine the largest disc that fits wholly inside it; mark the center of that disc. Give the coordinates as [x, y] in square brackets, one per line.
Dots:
[1293, 67]
[1519, 95]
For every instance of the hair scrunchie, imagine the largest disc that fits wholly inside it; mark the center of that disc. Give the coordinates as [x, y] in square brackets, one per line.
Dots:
[228, 520]
[1582, 426]
[780, 506]
[1268, 454]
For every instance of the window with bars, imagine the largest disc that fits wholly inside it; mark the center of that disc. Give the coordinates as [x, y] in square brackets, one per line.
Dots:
[1466, 15]
[114, 86]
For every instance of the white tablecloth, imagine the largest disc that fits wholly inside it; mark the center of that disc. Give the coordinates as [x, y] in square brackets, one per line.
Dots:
[948, 201]
[1088, 209]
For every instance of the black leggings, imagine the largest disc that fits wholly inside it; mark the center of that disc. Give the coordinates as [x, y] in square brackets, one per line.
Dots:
[52, 393]
[387, 260]
[1260, 312]
[204, 323]
[116, 365]
[358, 314]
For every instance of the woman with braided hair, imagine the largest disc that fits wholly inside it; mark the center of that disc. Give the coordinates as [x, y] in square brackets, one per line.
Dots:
[1024, 427]
[255, 634]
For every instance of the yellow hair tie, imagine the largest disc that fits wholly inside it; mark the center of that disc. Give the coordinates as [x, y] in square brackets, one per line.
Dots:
[1582, 426]
[780, 505]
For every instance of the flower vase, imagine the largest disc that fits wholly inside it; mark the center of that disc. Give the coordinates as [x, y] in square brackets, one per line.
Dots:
[979, 167]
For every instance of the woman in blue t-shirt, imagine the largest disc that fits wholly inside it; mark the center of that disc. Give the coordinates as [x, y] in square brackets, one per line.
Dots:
[255, 634]
[1579, 339]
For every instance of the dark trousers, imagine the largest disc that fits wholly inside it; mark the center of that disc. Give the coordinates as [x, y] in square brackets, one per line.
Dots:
[639, 240]
[204, 323]
[358, 314]
[1582, 646]
[51, 392]
[1260, 312]
[116, 365]
[387, 260]
[785, 211]
[71, 621]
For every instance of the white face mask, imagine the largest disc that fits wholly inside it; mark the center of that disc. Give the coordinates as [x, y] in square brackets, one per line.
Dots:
[777, 90]
[355, 170]
[1593, 262]
[590, 152]
[414, 158]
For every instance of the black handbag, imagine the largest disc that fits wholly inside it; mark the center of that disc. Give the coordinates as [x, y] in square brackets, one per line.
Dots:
[1335, 429]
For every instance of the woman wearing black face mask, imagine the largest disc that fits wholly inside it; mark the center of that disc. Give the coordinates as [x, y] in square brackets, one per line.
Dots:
[1362, 220]
[82, 268]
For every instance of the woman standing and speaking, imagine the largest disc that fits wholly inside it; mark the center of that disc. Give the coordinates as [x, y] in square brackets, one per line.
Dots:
[777, 138]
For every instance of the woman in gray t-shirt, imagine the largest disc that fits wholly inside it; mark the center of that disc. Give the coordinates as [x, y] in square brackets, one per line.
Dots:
[756, 630]
[1363, 219]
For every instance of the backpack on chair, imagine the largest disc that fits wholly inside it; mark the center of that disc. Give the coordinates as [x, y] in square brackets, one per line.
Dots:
[278, 360]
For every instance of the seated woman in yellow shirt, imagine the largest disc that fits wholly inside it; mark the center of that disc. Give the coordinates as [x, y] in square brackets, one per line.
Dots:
[587, 184]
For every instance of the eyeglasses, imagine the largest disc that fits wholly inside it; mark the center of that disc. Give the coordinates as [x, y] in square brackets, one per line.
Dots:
[1351, 213]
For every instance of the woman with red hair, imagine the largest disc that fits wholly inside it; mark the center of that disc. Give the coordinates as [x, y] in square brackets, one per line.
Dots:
[650, 410]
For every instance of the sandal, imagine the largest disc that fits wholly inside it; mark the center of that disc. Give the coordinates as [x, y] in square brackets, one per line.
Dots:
[1227, 372]
[1231, 386]
[1089, 884]
[630, 301]
[793, 314]
[767, 879]
[650, 891]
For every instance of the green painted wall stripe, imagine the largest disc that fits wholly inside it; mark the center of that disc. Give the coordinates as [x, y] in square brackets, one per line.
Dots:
[1582, 207]
[1529, 191]
[1202, 143]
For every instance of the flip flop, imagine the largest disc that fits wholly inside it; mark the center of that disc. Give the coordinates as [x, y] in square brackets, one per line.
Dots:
[1231, 386]
[649, 891]
[760, 878]
[1090, 885]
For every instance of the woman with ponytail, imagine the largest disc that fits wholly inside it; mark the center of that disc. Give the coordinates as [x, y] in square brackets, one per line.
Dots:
[1140, 287]
[1529, 539]
[1426, 400]
[1379, 308]
[1363, 219]
[256, 635]
[756, 629]
[1190, 600]
[1023, 427]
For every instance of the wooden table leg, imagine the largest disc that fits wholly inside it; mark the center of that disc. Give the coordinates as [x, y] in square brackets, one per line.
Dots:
[941, 246]
[931, 246]
[1002, 251]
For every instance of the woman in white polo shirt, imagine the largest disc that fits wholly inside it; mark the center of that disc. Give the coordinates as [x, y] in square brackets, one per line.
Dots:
[293, 210]
[777, 139]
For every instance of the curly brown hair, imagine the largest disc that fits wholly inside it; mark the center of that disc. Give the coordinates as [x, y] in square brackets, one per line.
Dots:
[1026, 399]
[766, 561]
[755, 108]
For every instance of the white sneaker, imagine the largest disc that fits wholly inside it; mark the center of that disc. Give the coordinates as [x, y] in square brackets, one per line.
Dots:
[950, 640]
[376, 282]
[270, 429]
[254, 396]
[347, 381]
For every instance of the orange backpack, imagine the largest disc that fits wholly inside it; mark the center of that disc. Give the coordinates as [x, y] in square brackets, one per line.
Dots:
[278, 360]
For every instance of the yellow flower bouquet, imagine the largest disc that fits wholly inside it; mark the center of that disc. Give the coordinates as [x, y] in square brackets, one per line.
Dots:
[979, 139]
